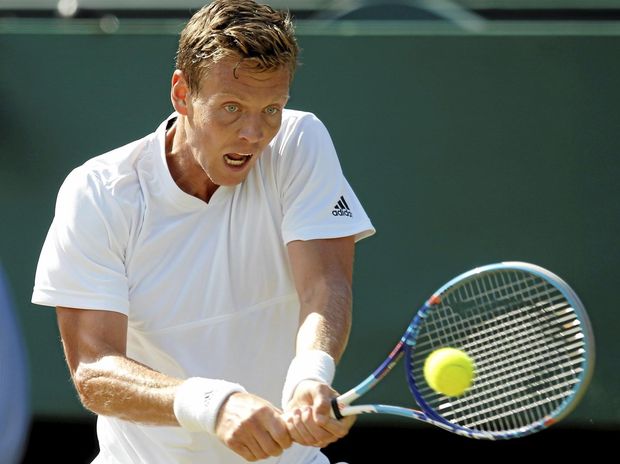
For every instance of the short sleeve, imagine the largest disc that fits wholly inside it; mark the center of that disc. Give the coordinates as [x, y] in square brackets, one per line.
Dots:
[82, 260]
[317, 200]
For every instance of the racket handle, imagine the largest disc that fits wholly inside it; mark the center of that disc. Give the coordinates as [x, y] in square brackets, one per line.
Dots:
[336, 409]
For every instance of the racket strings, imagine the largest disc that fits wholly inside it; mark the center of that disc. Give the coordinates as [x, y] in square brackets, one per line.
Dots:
[512, 384]
[516, 397]
[513, 323]
[526, 342]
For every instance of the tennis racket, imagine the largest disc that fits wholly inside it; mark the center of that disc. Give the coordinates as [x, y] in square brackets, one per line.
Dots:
[529, 337]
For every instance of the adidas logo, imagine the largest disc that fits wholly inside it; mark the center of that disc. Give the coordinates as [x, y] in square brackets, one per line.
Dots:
[342, 209]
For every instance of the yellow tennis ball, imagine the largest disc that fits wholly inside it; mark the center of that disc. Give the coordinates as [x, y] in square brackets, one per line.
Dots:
[449, 371]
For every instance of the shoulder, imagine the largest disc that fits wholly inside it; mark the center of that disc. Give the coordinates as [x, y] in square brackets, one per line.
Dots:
[296, 120]
[111, 170]
[300, 132]
[108, 183]
[293, 116]
[303, 147]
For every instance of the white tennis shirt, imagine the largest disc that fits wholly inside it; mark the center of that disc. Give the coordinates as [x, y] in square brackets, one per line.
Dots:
[207, 288]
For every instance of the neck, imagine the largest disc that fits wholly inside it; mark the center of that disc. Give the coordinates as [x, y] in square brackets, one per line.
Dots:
[184, 168]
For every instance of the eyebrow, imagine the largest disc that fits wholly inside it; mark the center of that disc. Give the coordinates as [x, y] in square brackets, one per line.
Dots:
[239, 97]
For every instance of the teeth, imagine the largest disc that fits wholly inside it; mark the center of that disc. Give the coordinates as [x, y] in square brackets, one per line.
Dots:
[237, 162]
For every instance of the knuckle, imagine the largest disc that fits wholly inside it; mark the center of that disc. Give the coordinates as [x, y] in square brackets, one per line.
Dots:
[275, 451]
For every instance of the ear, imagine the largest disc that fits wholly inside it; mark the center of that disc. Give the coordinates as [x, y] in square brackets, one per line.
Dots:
[179, 92]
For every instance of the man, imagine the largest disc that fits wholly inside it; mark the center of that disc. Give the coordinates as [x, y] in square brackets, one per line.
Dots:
[202, 275]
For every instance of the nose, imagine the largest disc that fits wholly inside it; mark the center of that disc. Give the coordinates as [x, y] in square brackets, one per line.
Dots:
[252, 128]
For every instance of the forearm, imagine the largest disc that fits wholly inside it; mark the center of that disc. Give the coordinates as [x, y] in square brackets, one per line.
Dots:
[325, 319]
[322, 338]
[120, 387]
[323, 272]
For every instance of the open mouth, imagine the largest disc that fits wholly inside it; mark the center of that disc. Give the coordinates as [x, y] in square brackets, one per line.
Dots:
[237, 159]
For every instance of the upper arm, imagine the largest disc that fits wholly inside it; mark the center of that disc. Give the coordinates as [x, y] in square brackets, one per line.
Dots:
[316, 198]
[83, 259]
[321, 263]
[323, 272]
[88, 335]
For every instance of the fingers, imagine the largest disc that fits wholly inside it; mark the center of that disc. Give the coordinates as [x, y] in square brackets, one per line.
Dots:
[309, 418]
[256, 446]
[308, 429]
[252, 427]
[305, 429]
[255, 429]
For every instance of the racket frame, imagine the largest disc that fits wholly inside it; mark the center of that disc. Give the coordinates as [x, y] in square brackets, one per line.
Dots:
[341, 406]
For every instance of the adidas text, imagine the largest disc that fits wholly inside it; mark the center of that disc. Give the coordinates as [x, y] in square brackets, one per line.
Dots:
[340, 212]
[342, 208]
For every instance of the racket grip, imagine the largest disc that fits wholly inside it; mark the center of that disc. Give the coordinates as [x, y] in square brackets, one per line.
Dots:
[336, 409]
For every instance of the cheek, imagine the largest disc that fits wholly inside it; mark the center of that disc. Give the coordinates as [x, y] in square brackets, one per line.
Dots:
[272, 127]
[204, 131]
[203, 119]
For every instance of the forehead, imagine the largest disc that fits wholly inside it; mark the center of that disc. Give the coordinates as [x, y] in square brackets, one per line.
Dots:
[242, 78]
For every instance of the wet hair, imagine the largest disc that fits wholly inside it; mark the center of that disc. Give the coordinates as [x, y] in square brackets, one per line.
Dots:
[254, 33]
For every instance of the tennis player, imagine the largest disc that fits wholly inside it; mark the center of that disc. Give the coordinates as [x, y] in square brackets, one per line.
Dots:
[202, 274]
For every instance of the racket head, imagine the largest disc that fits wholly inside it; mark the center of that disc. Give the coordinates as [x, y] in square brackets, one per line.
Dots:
[529, 337]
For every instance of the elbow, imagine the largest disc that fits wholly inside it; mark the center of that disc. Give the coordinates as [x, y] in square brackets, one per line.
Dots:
[85, 381]
[89, 380]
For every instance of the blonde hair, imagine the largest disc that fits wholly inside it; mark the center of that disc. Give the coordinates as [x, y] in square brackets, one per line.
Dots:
[239, 28]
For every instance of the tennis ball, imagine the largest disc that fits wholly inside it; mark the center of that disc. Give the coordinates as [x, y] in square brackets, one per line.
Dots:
[449, 371]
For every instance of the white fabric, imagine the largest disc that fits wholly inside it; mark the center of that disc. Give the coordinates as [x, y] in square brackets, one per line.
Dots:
[197, 402]
[308, 365]
[207, 288]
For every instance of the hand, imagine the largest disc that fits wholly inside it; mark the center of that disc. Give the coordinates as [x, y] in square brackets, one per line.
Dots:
[308, 415]
[252, 427]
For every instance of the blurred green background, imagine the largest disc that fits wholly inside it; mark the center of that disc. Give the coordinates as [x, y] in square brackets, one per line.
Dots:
[466, 147]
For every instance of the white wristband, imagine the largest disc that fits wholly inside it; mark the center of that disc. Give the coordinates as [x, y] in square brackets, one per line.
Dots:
[198, 400]
[308, 365]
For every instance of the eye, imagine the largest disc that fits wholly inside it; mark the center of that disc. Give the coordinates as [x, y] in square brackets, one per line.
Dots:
[272, 110]
[231, 108]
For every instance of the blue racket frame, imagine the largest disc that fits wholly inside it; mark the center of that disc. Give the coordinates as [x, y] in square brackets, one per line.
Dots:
[341, 405]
